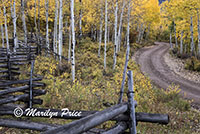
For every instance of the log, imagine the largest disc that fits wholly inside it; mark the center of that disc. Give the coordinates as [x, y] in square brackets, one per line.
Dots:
[118, 129]
[84, 124]
[3, 71]
[26, 125]
[13, 90]
[13, 99]
[19, 82]
[4, 66]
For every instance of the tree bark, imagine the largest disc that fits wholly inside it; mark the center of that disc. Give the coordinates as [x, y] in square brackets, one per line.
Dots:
[120, 26]
[2, 35]
[70, 41]
[100, 34]
[171, 46]
[60, 30]
[73, 40]
[116, 38]
[13, 13]
[80, 20]
[192, 37]
[181, 44]
[47, 24]
[198, 25]
[105, 38]
[55, 35]
[175, 34]
[24, 22]
[6, 30]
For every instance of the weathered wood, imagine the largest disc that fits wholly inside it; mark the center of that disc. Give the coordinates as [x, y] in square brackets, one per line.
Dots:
[31, 85]
[13, 90]
[84, 124]
[26, 125]
[132, 126]
[118, 129]
[12, 99]
[20, 82]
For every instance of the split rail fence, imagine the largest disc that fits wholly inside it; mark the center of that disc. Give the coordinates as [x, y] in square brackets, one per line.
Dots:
[15, 92]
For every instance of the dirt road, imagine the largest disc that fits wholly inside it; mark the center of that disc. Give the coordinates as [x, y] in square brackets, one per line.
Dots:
[151, 61]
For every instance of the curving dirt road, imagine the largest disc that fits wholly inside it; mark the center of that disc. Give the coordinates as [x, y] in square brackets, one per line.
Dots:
[151, 61]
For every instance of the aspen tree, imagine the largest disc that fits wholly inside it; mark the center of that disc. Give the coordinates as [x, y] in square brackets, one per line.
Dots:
[14, 18]
[100, 34]
[6, 30]
[55, 33]
[60, 30]
[24, 22]
[116, 38]
[2, 35]
[105, 36]
[73, 40]
[192, 37]
[47, 24]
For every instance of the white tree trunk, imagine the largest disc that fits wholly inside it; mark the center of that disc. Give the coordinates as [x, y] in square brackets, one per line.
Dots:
[100, 34]
[13, 13]
[2, 35]
[116, 38]
[120, 25]
[35, 21]
[55, 33]
[70, 41]
[105, 38]
[80, 20]
[140, 32]
[170, 38]
[127, 55]
[181, 44]
[60, 30]
[24, 22]
[39, 20]
[6, 30]
[192, 37]
[198, 32]
[47, 24]
[175, 34]
[73, 40]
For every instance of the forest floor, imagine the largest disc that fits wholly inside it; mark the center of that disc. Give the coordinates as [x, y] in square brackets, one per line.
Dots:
[165, 70]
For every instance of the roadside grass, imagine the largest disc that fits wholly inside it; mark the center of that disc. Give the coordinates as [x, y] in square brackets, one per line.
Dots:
[96, 89]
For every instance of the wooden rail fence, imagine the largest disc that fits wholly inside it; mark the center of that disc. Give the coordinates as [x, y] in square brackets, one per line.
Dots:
[13, 90]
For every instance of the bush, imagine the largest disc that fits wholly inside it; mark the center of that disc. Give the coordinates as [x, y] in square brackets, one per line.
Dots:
[193, 64]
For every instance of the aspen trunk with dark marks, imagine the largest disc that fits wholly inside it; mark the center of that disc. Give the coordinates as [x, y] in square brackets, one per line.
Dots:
[116, 38]
[120, 25]
[47, 24]
[181, 44]
[35, 21]
[73, 40]
[105, 36]
[198, 25]
[24, 21]
[80, 20]
[170, 38]
[60, 30]
[70, 41]
[100, 34]
[175, 34]
[6, 30]
[2, 35]
[55, 34]
[192, 37]
[14, 18]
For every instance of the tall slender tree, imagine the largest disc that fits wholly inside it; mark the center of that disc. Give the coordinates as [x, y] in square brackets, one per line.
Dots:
[14, 18]
[6, 30]
[198, 25]
[47, 24]
[116, 38]
[24, 21]
[2, 35]
[105, 36]
[55, 33]
[192, 37]
[100, 34]
[60, 30]
[73, 40]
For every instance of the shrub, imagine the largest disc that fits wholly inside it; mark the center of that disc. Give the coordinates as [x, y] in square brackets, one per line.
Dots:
[193, 64]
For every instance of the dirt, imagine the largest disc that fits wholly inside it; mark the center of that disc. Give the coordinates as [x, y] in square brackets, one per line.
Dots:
[152, 61]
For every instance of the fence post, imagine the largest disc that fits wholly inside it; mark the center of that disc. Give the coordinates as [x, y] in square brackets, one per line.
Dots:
[31, 85]
[9, 67]
[132, 103]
